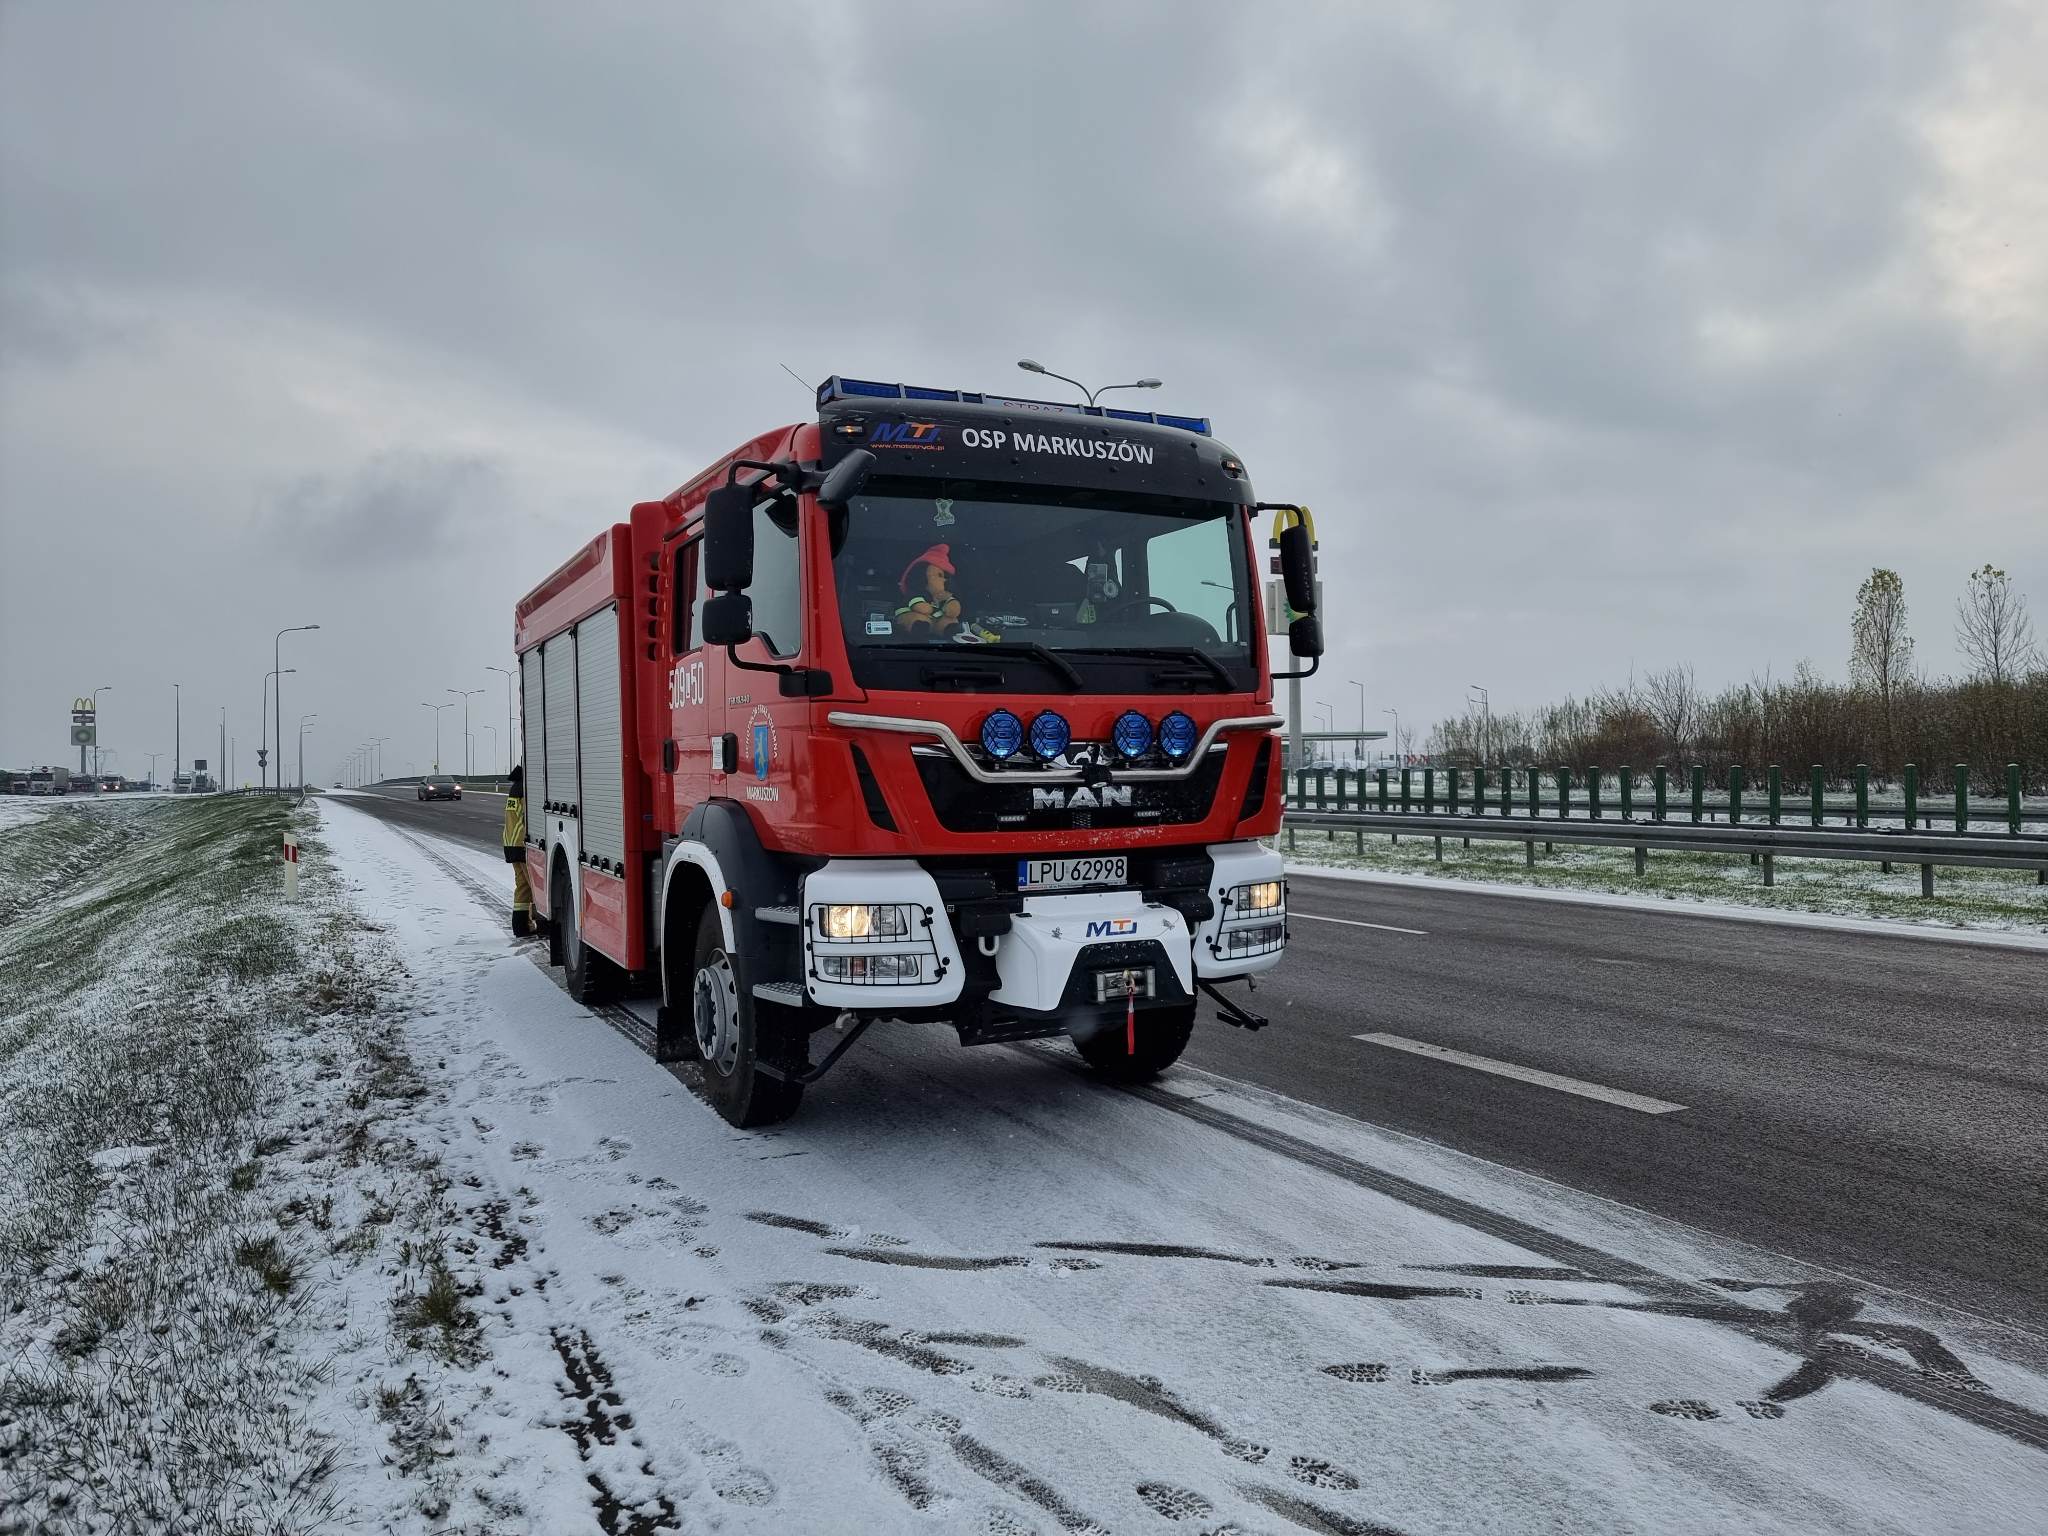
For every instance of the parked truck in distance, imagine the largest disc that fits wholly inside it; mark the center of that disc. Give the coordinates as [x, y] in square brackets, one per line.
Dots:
[944, 708]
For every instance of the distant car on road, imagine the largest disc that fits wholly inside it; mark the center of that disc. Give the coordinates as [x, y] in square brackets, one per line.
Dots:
[439, 787]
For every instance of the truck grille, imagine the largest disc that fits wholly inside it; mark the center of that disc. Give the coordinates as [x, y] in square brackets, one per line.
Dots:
[963, 805]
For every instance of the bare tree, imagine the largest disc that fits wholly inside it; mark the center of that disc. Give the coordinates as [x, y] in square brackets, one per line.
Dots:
[1672, 698]
[1993, 628]
[1880, 650]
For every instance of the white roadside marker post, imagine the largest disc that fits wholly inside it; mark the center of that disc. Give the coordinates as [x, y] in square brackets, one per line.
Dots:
[291, 867]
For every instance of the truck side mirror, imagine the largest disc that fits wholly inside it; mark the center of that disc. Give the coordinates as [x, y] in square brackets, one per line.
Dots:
[729, 617]
[1298, 569]
[728, 542]
[844, 480]
[1305, 636]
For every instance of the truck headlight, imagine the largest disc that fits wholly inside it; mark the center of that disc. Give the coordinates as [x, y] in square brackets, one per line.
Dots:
[1261, 896]
[863, 921]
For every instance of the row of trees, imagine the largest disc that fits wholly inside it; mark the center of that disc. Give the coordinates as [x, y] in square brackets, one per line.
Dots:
[1886, 715]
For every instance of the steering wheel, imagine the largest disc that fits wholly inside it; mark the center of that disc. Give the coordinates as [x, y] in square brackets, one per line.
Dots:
[1128, 602]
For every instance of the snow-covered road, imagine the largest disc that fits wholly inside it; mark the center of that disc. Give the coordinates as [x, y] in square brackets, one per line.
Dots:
[975, 1291]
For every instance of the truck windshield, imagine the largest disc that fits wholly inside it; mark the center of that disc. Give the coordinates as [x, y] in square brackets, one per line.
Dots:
[973, 585]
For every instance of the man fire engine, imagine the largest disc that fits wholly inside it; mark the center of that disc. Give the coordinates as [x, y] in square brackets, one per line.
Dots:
[942, 707]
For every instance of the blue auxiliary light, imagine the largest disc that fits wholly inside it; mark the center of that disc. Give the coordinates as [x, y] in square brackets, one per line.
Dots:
[1132, 734]
[1177, 735]
[1002, 733]
[1050, 734]
[839, 388]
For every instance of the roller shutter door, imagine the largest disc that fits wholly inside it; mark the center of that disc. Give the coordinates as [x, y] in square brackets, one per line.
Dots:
[533, 722]
[599, 732]
[558, 696]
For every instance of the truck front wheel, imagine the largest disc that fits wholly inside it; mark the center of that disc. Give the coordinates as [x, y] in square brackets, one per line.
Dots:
[733, 1031]
[1162, 1035]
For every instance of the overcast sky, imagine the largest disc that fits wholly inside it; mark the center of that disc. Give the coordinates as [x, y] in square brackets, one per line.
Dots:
[1609, 336]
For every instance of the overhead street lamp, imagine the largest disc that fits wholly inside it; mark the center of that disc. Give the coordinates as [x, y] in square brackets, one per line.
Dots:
[302, 753]
[494, 748]
[177, 732]
[466, 694]
[507, 674]
[377, 766]
[1397, 731]
[1486, 730]
[153, 756]
[277, 661]
[1361, 720]
[1034, 367]
[436, 708]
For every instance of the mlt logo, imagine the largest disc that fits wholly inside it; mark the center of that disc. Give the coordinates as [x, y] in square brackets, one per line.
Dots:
[1111, 927]
[921, 436]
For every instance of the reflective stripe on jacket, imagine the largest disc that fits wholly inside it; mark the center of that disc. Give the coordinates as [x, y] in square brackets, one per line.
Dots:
[515, 830]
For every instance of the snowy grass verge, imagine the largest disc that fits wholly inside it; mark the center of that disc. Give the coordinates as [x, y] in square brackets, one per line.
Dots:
[1987, 900]
[191, 1080]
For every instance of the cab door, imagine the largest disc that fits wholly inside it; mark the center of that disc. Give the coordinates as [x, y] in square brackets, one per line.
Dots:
[694, 720]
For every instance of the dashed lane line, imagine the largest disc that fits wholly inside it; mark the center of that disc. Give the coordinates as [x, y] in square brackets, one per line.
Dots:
[1585, 1090]
[1352, 922]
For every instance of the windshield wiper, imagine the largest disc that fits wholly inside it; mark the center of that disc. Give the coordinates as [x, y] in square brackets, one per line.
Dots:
[1030, 648]
[1191, 653]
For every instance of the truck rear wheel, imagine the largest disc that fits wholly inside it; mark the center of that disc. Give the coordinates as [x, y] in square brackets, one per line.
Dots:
[732, 1033]
[1162, 1035]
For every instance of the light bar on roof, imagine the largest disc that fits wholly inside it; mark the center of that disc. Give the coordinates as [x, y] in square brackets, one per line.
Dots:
[838, 388]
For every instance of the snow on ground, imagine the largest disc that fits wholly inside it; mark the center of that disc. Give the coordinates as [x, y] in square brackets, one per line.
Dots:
[16, 809]
[2006, 938]
[1965, 900]
[974, 1291]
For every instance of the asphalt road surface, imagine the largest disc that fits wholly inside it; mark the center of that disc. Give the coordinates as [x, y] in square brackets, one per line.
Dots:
[1863, 1102]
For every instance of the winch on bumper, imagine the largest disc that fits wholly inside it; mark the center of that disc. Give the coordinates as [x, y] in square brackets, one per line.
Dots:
[879, 940]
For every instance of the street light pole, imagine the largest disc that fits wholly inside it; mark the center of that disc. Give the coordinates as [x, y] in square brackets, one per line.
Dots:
[177, 733]
[153, 756]
[436, 708]
[466, 695]
[1031, 367]
[103, 688]
[507, 673]
[1486, 726]
[263, 724]
[1397, 730]
[1361, 720]
[277, 661]
[302, 752]
[377, 767]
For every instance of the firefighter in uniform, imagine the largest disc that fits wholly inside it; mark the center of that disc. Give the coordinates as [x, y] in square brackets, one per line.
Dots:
[515, 852]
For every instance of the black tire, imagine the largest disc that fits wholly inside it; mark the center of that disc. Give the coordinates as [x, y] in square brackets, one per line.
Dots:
[584, 971]
[732, 1031]
[1162, 1035]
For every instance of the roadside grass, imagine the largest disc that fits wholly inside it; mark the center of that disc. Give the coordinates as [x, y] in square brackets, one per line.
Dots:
[202, 1101]
[1994, 899]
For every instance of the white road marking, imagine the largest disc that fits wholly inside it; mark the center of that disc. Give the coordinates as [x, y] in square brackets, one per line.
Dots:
[1584, 1090]
[1599, 961]
[1352, 922]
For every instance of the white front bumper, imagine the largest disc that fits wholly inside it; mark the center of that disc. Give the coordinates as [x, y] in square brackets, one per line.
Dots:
[1036, 958]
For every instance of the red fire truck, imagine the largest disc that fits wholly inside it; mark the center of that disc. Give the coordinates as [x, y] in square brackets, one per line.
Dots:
[943, 707]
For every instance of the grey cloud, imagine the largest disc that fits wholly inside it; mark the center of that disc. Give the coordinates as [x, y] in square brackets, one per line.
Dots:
[400, 508]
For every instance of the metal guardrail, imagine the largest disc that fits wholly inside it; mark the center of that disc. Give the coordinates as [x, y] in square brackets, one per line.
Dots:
[1560, 792]
[1764, 844]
